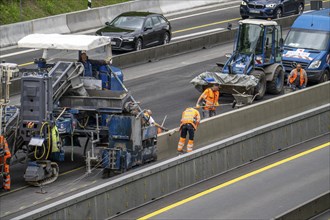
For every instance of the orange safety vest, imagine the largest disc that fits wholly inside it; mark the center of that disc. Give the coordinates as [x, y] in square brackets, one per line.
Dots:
[211, 98]
[294, 76]
[190, 116]
[7, 154]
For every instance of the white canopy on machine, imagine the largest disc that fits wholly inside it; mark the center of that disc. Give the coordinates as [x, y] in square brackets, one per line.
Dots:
[63, 42]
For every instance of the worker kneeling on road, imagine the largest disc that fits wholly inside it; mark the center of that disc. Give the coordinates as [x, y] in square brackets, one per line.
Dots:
[297, 78]
[5, 156]
[210, 100]
[189, 123]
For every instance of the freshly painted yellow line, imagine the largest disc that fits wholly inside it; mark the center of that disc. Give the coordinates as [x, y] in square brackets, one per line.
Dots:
[205, 25]
[70, 171]
[233, 181]
[26, 64]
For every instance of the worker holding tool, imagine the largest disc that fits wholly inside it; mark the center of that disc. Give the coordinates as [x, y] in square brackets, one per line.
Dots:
[5, 156]
[189, 123]
[150, 121]
[209, 99]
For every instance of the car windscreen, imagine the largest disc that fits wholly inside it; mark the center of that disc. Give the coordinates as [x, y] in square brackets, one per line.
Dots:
[250, 39]
[128, 22]
[314, 40]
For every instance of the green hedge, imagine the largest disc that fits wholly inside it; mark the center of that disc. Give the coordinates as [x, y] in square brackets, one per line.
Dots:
[11, 12]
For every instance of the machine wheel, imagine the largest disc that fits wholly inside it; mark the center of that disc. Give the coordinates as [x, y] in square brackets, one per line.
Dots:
[300, 9]
[278, 13]
[276, 85]
[324, 77]
[166, 38]
[138, 44]
[260, 89]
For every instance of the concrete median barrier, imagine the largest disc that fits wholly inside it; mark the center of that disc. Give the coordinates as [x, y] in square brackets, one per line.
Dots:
[248, 118]
[83, 20]
[144, 185]
[46, 25]
[11, 34]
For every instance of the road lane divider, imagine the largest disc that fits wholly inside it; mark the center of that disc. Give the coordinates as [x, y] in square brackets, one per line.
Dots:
[233, 181]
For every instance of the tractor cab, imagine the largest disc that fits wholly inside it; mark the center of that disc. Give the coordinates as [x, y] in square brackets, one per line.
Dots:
[258, 44]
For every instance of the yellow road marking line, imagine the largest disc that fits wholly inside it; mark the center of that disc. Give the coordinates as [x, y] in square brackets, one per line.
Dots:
[70, 171]
[205, 25]
[26, 64]
[233, 181]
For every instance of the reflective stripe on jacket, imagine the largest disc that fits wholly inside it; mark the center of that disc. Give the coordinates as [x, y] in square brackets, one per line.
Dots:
[211, 98]
[190, 116]
[294, 76]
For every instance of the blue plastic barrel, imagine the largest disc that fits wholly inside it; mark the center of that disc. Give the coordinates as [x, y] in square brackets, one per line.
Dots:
[115, 85]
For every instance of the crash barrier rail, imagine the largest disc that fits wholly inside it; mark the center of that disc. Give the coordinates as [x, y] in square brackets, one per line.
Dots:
[173, 49]
[142, 186]
[309, 209]
[88, 19]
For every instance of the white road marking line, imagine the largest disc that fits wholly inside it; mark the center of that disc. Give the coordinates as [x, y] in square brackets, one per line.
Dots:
[18, 53]
[202, 13]
[198, 33]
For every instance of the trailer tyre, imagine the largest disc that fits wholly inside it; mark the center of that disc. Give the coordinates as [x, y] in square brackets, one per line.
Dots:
[260, 89]
[276, 85]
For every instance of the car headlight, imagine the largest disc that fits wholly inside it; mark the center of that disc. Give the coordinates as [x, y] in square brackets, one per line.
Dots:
[128, 39]
[243, 3]
[270, 5]
[315, 64]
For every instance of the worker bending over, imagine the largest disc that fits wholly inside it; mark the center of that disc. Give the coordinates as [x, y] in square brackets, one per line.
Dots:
[150, 121]
[210, 100]
[189, 123]
[297, 78]
[5, 156]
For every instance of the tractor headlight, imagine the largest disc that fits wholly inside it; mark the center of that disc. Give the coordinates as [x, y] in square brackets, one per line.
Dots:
[243, 3]
[128, 39]
[315, 64]
[270, 5]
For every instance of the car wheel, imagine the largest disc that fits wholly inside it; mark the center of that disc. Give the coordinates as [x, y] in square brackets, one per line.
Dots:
[244, 16]
[166, 39]
[278, 13]
[300, 9]
[138, 44]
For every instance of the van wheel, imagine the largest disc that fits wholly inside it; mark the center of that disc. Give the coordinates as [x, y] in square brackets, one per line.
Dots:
[276, 85]
[324, 77]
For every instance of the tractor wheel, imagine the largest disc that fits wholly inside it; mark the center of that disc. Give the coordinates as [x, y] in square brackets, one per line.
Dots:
[260, 89]
[276, 85]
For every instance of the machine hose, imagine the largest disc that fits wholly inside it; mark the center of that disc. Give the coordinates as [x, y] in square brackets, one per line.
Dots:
[49, 144]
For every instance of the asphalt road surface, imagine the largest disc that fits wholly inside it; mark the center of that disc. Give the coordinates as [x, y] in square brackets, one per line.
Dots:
[254, 191]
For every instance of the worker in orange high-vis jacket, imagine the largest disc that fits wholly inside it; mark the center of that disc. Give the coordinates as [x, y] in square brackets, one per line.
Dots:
[189, 123]
[210, 100]
[297, 78]
[5, 156]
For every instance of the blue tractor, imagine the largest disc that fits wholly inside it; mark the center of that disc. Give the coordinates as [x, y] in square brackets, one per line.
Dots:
[255, 66]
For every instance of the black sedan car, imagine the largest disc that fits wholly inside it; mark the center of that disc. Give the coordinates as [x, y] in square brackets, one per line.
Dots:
[270, 8]
[137, 30]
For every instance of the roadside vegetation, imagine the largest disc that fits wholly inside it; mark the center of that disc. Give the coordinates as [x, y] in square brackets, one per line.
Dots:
[12, 11]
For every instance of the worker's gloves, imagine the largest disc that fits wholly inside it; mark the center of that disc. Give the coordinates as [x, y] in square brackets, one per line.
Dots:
[108, 60]
[197, 106]
[216, 104]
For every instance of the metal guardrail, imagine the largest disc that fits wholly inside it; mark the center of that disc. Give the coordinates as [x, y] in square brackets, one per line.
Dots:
[144, 185]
